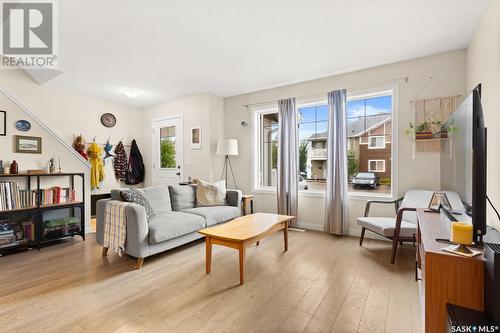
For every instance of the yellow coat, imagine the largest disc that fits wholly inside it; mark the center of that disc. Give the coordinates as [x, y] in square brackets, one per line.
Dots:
[96, 165]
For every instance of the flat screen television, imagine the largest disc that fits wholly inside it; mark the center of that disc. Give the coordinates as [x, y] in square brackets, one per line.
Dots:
[463, 161]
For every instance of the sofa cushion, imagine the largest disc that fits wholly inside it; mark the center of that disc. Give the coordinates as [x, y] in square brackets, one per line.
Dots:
[386, 225]
[215, 214]
[182, 197]
[208, 194]
[135, 196]
[158, 197]
[174, 224]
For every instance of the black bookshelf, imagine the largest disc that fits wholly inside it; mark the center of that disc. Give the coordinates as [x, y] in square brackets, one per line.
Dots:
[37, 211]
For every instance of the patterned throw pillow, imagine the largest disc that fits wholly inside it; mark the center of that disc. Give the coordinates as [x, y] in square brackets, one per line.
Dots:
[136, 197]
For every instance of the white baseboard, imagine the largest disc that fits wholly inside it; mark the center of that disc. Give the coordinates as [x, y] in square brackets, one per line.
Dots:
[310, 226]
[355, 232]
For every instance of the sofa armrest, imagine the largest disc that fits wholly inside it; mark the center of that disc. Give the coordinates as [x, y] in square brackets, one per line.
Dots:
[233, 198]
[99, 224]
[137, 244]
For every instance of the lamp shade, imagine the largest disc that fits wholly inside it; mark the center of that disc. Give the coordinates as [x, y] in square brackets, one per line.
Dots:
[227, 147]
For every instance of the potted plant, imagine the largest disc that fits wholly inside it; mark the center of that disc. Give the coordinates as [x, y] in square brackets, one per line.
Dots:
[422, 131]
[447, 127]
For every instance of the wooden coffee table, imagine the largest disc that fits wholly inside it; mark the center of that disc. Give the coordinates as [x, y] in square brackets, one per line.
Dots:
[242, 232]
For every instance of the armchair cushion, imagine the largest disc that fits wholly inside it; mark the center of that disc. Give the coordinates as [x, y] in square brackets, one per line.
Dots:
[385, 226]
[415, 199]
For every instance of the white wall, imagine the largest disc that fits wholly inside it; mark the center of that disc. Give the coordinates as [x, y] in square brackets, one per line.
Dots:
[483, 66]
[69, 114]
[204, 110]
[50, 148]
[447, 68]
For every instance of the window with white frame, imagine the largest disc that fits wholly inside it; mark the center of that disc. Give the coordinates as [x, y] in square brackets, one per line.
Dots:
[369, 142]
[376, 165]
[376, 142]
[266, 148]
[313, 124]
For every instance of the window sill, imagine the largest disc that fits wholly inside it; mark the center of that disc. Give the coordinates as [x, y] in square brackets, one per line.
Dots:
[321, 194]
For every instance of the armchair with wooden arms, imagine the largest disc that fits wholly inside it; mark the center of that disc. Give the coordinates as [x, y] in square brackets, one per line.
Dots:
[399, 229]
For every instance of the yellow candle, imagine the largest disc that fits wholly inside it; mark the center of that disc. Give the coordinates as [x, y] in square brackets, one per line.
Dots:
[461, 233]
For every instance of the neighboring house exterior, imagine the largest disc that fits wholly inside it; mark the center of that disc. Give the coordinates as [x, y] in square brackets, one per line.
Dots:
[368, 139]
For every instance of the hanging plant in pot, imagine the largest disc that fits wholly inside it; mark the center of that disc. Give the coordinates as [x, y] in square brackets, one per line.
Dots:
[448, 127]
[421, 131]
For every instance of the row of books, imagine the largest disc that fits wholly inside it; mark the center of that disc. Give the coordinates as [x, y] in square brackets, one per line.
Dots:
[11, 197]
[57, 194]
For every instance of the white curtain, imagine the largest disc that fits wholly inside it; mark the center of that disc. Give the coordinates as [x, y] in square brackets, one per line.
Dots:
[336, 173]
[288, 161]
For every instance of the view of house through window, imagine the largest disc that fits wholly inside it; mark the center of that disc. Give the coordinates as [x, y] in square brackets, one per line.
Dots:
[313, 123]
[369, 141]
[369, 138]
[167, 147]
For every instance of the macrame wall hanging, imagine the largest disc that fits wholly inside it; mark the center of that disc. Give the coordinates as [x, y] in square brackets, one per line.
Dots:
[429, 128]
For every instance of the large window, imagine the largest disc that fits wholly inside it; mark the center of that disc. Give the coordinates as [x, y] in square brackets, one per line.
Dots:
[369, 144]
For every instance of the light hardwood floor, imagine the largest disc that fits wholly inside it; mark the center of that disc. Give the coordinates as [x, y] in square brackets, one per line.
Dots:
[322, 284]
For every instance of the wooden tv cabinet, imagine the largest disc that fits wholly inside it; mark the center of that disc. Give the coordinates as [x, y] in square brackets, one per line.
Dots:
[444, 277]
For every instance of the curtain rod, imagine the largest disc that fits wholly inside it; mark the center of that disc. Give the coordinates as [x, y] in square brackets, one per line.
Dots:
[405, 78]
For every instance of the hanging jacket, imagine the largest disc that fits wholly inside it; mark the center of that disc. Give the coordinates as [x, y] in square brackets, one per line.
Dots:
[135, 168]
[120, 162]
[96, 165]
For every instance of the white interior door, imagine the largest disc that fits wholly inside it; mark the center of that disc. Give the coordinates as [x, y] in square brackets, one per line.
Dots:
[168, 150]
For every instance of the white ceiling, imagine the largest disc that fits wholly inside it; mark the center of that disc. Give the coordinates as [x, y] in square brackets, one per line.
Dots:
[169, 49]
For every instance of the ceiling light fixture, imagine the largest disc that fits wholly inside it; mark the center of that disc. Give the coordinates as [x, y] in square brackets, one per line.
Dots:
[132, 93]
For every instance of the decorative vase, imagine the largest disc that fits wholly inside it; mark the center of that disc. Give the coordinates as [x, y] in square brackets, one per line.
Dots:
[14, 168]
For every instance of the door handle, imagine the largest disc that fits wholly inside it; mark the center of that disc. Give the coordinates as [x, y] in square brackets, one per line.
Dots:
[178, 173]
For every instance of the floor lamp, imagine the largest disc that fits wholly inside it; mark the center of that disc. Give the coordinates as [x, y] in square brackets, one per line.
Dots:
[227, 147]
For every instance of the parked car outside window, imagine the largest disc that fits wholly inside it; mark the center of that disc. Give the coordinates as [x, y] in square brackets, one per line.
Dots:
[365, 179]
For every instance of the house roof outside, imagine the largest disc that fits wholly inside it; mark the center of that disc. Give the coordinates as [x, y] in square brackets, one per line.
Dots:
[358, 126]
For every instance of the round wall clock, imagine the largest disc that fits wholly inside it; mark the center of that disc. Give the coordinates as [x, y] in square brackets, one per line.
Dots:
[108, 120]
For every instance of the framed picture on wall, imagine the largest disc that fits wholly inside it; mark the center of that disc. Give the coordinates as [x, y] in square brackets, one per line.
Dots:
[28, 144]
[196, 137]
[3, 123]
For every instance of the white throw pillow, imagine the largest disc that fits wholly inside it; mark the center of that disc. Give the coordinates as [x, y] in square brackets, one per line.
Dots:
[208, 194]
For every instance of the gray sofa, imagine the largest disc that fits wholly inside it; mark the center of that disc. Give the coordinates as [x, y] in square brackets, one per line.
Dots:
[176, 220]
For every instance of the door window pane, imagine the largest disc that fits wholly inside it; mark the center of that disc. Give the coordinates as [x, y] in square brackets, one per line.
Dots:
[167, 147]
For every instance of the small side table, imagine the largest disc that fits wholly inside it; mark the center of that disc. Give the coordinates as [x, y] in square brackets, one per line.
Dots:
[247, 199]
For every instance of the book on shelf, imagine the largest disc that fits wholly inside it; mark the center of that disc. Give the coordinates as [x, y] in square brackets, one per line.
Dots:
[11, 197]
[29, 230]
